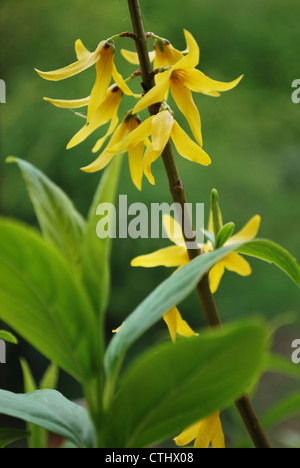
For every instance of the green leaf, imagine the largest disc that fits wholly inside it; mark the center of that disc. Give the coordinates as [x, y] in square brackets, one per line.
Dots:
[51, 410]
[8, 436]
[175, 385]
[6, 336]
[287, 408]
[276, 363]
[224, 234]
[272, 253]
[29, 382]
[50, 378]
[60, 222]
[44, 302]
[96, 251]
[38, 438]
[168, 294]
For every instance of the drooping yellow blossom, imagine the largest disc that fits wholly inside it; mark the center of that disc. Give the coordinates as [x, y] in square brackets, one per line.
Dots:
[206, 432]
[116, 146]
[162, 127]
[177, 256]
[107, 111]
[102, 58]
[183, 78]
[164, 55]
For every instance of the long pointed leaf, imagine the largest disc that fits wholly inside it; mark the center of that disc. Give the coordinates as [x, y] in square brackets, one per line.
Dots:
[44, 302]
[50, 410]
[175, 385]
[95, 251]
[60, 222]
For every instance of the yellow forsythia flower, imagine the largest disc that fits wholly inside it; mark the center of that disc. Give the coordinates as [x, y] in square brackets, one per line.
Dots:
[177, 256]
[116, 146]
[183, 78]
[206, 432]
[162, 127]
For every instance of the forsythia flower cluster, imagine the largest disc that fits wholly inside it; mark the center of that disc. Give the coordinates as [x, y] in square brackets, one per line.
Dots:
[144, 141]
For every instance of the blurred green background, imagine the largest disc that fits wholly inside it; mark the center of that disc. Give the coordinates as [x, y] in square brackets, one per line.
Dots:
[251, 133]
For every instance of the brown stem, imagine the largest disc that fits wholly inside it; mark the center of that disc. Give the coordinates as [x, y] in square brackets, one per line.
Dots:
[212, 317]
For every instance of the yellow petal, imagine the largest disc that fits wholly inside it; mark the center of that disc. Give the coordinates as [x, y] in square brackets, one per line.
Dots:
[171, 321]
[190, 60]
[177, 325]
[183, 328]
[184, 100]
[103, 115]
[166, 57]
[106, 156]
[218, 441]
[206, 431]
[186, 436]
[248, 232]
[100, 163]
[122, 84]
[187, 148]
[155, 95]
[133, 58]
[81, 50]
[113, 124]
[169, 257]
[73, 104]
[149, 158]
[173, 230]
[140, 133]
[135, 158]
[161, 129]
[73, 69]
[104, 68]
[215, 276]
[236, 263]
[200, 83]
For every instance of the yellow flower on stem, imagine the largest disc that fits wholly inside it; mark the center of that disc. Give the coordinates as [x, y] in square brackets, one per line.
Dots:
[107, 111]
[183, 78]
[116, 147]
[177, 255]
[102, 58]
[233, 262]
[164, 55]
[162, 127]
[206, 432]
